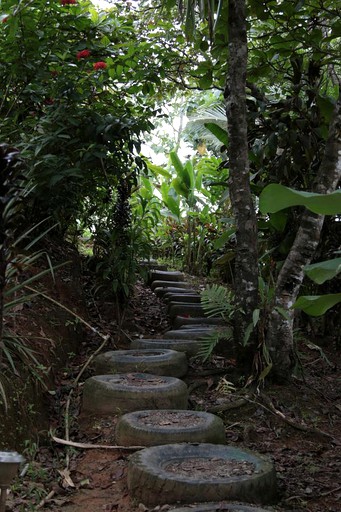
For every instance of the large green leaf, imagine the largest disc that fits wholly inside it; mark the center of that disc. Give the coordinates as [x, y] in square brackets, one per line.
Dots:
[176, 163]
[173, 206]
[218, 132]
[317, 305]
[157, 169]
[277, 197]
[180, 187]
[323, 270]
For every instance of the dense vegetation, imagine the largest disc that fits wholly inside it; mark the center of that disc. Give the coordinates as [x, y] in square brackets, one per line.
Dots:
[82, 88]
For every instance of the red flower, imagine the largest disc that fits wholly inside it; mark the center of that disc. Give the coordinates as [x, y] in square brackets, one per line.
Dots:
[49, 101]
[99, 65]
[68, 2]
[83, 54]
[4, 19]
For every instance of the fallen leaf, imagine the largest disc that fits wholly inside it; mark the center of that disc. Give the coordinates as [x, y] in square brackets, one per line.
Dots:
[67, 480]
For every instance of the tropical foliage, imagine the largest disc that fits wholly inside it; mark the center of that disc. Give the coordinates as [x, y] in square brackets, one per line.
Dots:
[82, 88]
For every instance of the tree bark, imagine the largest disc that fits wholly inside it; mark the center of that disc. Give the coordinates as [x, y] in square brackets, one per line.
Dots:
[246, 261]
[279, 339]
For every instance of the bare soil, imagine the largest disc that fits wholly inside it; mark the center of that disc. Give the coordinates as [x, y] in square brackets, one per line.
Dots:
[297, 425]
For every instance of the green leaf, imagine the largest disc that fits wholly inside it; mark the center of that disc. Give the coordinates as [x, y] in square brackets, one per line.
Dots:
[317, 305]
[323, 270]
[255, 316]
[265, 372]
[179, 168]
[180, 187]
[221, 241]
[173, 206]
[326, 106]
[157, 169]
[277, 197]
[218, 132]
[225, 258]
[278, 220]
[206, 81]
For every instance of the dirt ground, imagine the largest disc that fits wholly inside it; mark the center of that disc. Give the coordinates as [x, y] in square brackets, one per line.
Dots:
[297, 425]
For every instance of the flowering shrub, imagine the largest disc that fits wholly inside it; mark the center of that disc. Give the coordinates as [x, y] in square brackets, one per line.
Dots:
[83, 54]
[99, 65]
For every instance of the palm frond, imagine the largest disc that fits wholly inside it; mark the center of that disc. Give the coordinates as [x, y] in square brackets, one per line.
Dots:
[217, 301]
[3, 395]
[209, 343]
[214, 114]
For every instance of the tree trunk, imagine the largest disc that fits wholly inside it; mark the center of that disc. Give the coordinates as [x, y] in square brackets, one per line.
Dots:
[246, 261]
[280, 329]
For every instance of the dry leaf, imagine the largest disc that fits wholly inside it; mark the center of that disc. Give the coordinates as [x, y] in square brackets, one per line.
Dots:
[67, 480]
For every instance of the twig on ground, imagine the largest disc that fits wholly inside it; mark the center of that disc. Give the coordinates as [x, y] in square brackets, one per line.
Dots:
[327, 493]
[45, 500]
[227, 406]
[271, 408]
[75, 384]
[89, 446]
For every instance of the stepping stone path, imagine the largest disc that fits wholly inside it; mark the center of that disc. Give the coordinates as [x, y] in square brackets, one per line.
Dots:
[186, 459]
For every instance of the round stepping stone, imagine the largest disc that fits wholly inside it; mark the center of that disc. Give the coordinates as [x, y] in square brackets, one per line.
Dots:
[201, 323]
[167, 284]
[117, 394]
[165, 275]
[152, 265]
[161, 291]
[186, 473]
[155, 361]
[192, 310]
[152, 428]
[180, 321]
[218, 507]
[184, 298]
[190, 346]
[188, 334]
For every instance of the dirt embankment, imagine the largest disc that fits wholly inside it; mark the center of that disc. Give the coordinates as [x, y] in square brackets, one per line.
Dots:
[43, 338]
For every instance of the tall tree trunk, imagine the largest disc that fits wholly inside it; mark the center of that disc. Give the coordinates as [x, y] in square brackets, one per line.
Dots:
[280, 329]
[246, 262]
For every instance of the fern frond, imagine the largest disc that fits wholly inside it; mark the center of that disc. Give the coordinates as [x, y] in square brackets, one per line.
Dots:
[209, 343]
[217, 301]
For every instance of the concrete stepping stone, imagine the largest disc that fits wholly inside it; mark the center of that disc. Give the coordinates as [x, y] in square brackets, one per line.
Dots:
[152, 428]
[105, 395]
[190, 346]
[155, 361]
[165, 275]
[186, 473]
[167, 284]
